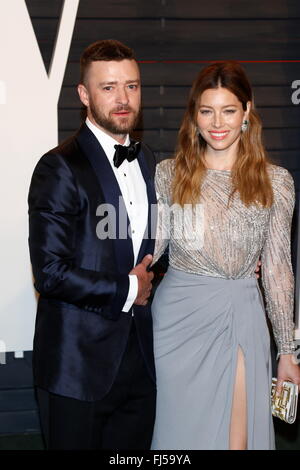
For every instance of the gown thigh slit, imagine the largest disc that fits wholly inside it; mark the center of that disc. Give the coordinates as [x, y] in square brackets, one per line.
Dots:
[239, 419]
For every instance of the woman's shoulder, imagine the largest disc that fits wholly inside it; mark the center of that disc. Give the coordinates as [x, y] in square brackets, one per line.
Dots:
[165, 170]
[166, 166]
[164, 176]
[282, 181]
[279, 175]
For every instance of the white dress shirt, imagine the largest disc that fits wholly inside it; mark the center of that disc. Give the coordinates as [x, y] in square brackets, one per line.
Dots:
[133, 189]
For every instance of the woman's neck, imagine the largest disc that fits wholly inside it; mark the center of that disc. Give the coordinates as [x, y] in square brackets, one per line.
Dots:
[219, 160]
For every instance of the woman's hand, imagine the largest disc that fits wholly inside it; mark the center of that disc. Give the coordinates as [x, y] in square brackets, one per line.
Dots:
[288, 370]
[257, 269]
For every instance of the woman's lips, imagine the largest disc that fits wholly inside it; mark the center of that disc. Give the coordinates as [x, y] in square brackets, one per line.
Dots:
[220, 135]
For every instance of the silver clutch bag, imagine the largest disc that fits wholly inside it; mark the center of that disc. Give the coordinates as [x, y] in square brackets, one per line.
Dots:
[284, 406]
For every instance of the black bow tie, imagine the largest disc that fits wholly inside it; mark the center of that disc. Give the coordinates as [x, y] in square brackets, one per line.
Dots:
[122, 153]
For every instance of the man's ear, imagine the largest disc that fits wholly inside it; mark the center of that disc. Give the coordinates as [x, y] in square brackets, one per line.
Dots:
[83, 94]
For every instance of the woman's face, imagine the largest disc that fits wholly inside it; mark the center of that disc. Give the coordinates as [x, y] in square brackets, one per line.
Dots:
[220, 117]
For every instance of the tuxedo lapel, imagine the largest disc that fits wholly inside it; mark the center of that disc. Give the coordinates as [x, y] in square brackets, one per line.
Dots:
[112, 195]
[147, 246]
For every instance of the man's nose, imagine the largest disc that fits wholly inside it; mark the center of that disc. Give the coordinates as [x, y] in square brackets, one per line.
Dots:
[122, 96]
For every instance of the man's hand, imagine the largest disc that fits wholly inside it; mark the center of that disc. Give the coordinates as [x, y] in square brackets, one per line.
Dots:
[144, 280]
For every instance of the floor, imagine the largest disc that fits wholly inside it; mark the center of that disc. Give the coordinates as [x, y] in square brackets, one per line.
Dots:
[287, 438]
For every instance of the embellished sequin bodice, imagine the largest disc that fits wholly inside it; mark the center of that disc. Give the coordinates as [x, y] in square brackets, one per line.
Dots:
[230, 238]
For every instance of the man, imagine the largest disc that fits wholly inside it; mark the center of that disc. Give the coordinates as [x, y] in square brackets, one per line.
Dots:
[93, 352]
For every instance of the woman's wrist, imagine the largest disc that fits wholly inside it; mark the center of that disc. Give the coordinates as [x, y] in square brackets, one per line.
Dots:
[285, 357]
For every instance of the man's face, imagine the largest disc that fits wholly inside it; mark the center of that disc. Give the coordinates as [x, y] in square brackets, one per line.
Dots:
[112, 95]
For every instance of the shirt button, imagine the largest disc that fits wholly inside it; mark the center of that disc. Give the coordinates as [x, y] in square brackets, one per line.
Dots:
[131, 202]
[124, 174]
[133, 231]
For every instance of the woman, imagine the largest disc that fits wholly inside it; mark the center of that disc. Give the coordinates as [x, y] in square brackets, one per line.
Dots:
[211, 340]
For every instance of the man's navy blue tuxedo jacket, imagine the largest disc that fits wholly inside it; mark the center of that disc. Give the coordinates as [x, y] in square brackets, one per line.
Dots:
[81, 333]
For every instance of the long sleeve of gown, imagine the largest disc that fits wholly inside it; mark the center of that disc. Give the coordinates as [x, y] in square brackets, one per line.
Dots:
[277, 274]
[162, 187]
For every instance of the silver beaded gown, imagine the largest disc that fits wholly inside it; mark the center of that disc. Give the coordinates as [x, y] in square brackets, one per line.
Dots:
[209, 304]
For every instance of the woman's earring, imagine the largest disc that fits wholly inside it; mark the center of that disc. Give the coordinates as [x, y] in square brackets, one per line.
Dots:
[244, 126]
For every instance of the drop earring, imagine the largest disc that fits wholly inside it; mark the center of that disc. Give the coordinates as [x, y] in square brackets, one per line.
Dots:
[244, 126]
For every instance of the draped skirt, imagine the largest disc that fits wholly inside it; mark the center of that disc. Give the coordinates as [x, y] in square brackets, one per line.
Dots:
[199, 324]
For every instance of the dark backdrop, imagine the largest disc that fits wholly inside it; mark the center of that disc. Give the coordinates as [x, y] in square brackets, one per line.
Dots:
[172, 39]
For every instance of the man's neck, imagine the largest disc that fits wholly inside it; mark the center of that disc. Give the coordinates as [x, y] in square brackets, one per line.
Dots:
[121, 138]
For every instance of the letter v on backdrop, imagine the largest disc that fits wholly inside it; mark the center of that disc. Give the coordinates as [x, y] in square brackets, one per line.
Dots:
[28, 117]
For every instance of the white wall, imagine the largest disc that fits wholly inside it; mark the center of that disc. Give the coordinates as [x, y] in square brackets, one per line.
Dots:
[28, 128]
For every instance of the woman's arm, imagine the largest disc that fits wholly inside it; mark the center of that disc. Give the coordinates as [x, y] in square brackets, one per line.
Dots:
[277, 274]
[162, 187]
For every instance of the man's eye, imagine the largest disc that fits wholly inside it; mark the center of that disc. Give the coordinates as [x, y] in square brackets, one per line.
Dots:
[108, 88]
[132, 87]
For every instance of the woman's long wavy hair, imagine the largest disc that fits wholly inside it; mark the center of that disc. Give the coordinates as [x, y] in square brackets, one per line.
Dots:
[249, 173]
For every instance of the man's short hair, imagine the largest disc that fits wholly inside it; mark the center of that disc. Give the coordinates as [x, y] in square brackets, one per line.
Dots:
[106, 49]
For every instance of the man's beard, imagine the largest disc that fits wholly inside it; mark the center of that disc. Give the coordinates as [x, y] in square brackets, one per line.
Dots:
[125, 125]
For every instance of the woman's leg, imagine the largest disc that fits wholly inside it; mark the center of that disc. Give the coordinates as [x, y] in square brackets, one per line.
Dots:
[238, 425]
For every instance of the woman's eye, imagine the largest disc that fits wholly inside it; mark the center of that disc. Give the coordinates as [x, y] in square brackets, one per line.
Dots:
[204, 111]
[230, 111]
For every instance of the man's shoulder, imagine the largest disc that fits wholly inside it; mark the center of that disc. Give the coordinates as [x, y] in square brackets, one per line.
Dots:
[64, 153]
[65, 148]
